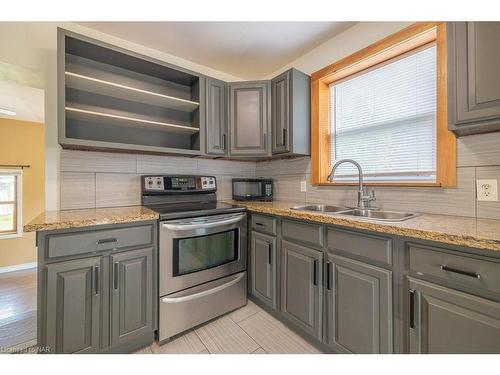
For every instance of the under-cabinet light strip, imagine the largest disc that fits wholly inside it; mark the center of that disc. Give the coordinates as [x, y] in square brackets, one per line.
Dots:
[134, 119]
[129, 88]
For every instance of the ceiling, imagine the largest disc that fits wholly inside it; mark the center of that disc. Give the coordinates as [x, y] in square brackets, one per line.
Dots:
[27, 102]
[249, 50]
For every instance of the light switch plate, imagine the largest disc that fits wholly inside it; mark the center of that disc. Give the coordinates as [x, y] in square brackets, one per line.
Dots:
[303, 186]
[487, 190]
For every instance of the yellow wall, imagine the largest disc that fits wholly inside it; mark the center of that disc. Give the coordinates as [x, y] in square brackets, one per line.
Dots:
[22, 142]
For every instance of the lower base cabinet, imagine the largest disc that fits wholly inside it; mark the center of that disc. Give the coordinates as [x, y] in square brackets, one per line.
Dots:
[301, 287]
[444, 320]
[132, 295]
[73, 323]
[358, 306]
[96, 288]
[263, 261]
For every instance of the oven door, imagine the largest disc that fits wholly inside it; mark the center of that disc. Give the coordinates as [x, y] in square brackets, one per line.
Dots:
[197, 250]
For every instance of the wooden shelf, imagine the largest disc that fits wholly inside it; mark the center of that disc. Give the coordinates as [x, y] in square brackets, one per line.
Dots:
[116, 90]
[96, 114]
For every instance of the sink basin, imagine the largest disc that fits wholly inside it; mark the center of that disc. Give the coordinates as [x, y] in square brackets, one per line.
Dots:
[320, 208]
[380, 214]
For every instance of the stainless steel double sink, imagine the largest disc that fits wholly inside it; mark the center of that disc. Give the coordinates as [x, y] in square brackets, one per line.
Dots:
[371, 214]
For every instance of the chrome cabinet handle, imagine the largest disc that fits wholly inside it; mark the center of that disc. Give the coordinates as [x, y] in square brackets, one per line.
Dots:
[269, 253]
[223, 141]
[106, 241]
[460, 272]
[284, 137]
[115, 275]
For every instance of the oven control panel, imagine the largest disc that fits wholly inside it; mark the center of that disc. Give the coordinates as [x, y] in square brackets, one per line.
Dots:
[171, 184]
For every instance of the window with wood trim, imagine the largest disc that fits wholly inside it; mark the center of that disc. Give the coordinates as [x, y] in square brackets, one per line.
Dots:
[385, 107]
[10, 203]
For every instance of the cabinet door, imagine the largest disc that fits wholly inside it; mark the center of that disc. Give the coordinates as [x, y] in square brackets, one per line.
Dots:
[248, 118]
[301, 287]
[474, 77]
[359, 306]
[280, 112]
[132, 295]
[73, 306]
[444, 320]
[216, 117]
[263, 268]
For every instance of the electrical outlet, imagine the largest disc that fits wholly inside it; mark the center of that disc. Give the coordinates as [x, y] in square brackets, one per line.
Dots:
[303, 186]
[487, 190]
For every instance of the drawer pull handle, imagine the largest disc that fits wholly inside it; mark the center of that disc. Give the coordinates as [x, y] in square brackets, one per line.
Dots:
[107, 240]
[260, 224]
[460, 272]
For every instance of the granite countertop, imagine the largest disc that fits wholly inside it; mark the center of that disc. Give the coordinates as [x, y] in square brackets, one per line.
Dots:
[52, 220]
[455, 230]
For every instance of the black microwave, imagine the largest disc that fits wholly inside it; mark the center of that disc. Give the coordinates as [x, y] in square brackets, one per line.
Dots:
[252, 189]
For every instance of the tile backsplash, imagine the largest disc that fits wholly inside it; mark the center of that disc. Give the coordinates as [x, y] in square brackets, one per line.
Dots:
[100, 179]
[478, 156]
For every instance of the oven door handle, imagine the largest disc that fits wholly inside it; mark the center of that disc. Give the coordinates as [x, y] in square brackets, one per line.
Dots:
[209, 224]
[204, 293]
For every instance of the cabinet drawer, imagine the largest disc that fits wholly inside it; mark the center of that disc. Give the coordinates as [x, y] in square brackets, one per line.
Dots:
[265, 224]
[375, 248]
[308, 233]
[98, 240]
[456, 269]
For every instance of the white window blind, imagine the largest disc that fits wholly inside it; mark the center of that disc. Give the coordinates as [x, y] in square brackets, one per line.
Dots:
[385, 119]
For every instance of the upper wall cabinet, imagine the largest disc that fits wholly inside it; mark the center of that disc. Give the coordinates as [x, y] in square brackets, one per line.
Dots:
[110, 98]
[291, 113]
[473, 77]
[216, 129]
[249, 118]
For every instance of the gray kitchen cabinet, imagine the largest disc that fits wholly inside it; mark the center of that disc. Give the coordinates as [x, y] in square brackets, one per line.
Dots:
[263, 262]
[249, 118]
[290, 113]
[444, 320]
[73, 323]
[216, 124]
[132, 295]
[97, 295]
[301, 287]
[358, 306]
[473, 77]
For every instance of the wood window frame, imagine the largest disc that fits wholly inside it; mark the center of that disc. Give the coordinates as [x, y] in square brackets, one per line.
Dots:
[410, 38]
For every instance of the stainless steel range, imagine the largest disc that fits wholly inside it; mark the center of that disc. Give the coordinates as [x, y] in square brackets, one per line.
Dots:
[202, 251]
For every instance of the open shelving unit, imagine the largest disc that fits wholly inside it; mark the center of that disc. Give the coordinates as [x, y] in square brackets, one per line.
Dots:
[110, 98]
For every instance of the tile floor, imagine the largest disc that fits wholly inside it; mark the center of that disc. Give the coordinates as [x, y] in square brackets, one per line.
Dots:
[246, 330]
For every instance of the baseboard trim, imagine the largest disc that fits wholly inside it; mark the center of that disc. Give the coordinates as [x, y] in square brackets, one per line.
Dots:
[18, 267]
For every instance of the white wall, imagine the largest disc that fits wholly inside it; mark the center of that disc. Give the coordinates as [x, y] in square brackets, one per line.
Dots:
[33, 45]
[351, 40]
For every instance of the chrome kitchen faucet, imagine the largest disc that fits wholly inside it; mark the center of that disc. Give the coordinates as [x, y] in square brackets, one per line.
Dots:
[364, 199]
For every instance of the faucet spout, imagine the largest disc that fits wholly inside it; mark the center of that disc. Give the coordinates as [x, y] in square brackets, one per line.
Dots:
[363, 199]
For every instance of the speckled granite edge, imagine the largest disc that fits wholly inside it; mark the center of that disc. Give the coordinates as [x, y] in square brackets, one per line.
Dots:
[482, 234]
[64, 219]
